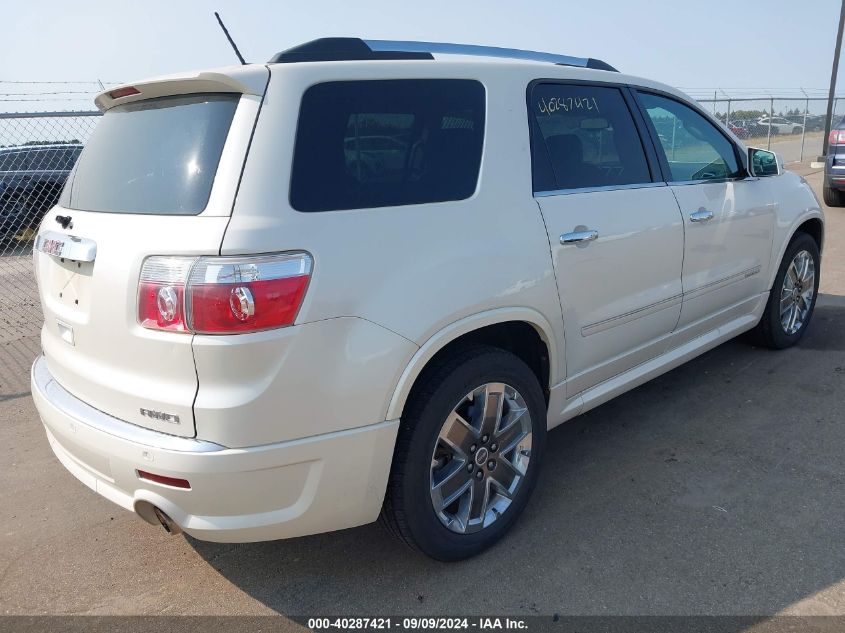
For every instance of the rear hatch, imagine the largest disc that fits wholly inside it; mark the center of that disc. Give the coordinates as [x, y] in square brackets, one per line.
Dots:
[157, 177]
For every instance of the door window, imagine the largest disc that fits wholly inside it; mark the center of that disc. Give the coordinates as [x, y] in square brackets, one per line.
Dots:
[694, 148]
[584, 136]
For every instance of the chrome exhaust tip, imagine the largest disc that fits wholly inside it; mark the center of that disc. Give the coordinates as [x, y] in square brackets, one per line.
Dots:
[170, 526]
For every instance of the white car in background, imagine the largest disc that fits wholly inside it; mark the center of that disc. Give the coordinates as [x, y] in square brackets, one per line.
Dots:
[781, 125]
[257, 326]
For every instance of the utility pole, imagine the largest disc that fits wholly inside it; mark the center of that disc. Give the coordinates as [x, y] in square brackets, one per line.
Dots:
[834, 71]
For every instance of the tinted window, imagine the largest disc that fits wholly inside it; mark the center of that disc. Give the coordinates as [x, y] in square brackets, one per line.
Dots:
[69, 158]
[695, 149]
[364, 144]
[584, 137]
[60, 159]
[157, 156]
[13, 161]
[44, 159]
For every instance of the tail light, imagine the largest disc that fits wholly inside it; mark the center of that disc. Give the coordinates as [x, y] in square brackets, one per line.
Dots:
[837, 137]
[222, 295]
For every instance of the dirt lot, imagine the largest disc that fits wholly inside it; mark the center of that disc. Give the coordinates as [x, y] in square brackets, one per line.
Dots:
[715, 489]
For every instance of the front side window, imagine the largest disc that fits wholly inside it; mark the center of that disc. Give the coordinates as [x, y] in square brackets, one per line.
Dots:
[368, 144]
[694, 148]
[584, 136]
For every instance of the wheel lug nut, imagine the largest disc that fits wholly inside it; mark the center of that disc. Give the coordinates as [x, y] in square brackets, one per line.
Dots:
[472, 448]
[479, 475]
[469, 468]
[491, 464]
[484, 439]
[494, 447]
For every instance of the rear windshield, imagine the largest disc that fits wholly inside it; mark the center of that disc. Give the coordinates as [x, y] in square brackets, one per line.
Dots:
[157, 156]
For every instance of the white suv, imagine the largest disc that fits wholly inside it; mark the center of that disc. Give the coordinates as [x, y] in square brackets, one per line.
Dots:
[367, 277]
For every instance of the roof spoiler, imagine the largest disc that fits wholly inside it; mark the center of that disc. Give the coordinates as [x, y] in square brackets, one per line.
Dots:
[180, 85]
[353, 48]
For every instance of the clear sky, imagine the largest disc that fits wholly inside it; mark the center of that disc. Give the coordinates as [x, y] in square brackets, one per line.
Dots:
[776, 44]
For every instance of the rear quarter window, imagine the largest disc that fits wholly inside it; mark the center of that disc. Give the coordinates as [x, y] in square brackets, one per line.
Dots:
[367, 144]
[156, 156]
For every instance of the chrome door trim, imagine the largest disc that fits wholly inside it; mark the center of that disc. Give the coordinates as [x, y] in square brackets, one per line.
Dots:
[724, 281]
[565, 192]
[705, 181]
[612, 322]
[606, 324]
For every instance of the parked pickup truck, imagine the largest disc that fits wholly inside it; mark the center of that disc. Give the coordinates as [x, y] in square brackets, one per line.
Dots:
[31, 179]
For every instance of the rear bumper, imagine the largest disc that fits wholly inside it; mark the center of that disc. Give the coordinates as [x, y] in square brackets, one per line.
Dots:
[314, 484]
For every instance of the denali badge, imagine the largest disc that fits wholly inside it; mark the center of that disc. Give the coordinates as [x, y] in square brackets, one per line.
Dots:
[160, 415]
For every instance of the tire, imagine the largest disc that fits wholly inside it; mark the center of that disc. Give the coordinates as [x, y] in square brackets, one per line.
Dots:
[421, 457]
[771, 331]
[832, 197]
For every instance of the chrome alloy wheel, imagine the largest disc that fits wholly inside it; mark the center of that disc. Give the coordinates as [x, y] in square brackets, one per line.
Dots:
[480, 457]
[796, 296]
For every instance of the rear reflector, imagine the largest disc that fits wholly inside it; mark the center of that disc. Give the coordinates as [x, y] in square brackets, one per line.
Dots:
[161, 479]
[222, 295]
[124, 92]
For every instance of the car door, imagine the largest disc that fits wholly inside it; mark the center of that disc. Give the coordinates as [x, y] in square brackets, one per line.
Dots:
[614, 227]
[729, 217]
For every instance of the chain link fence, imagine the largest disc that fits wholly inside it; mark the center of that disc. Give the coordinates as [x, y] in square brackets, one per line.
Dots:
[38, 150]
[794, 128]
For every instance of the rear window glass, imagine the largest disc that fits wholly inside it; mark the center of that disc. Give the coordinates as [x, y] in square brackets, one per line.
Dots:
[365, 144]
[157, 156]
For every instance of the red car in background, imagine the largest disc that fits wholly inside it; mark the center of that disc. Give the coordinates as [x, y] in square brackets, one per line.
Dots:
[738, 130]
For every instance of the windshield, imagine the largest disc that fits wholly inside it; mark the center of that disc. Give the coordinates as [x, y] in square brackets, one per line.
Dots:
[157, 156]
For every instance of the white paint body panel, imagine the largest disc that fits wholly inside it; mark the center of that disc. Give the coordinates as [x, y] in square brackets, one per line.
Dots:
[621, 292]
[294, 413]
[727, 258]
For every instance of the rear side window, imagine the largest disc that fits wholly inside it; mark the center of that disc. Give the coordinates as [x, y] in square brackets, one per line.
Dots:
[157, 156]
[584, 136]
[367, 144]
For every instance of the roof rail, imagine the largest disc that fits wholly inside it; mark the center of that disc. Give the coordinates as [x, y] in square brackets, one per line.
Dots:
[353, 48]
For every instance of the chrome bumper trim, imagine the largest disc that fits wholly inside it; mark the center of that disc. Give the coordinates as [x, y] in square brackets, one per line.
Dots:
[73, 407]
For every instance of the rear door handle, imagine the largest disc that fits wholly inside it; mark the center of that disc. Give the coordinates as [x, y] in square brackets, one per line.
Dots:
[702, 215]
[579, 236]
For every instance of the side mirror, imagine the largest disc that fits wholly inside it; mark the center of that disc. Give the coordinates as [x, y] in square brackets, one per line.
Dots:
[762, 163]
